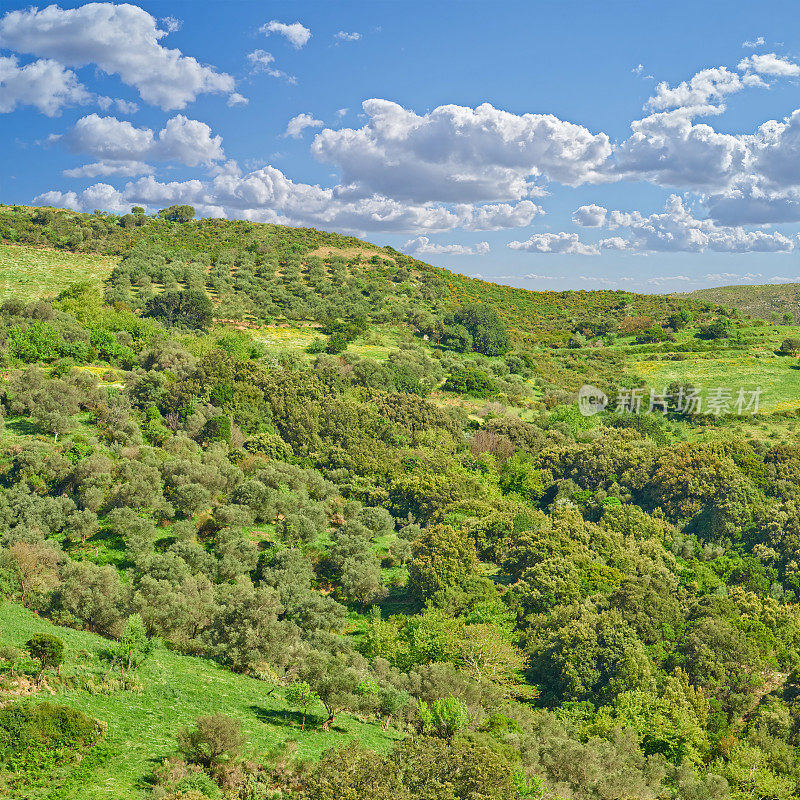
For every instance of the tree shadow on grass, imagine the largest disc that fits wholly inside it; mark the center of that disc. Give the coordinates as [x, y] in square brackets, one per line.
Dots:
[291, 719]
[22, 426]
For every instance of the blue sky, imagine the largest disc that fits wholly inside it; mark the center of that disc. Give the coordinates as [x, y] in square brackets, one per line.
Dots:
[549, 145]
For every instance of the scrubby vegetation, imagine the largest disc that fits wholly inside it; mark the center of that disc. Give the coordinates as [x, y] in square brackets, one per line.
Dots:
[387, 557]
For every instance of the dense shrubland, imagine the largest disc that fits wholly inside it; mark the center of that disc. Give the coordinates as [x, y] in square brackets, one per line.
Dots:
[541, 605]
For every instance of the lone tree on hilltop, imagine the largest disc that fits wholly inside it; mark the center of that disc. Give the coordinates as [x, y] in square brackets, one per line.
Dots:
[178, 213]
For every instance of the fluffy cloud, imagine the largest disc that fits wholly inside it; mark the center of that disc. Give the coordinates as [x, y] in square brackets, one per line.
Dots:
[44, 84]
[422, 245]
[299, 123]
[105, 169]
[567, 243]
[678, 230]
[591, 216]
[123, 106]
[770, 64]
[668, 149]
[459, 154]
[297, 34]
[732, 276]
[121, 40]
[267, 195]
[264, 195]
[757, 42]
[344, 36]
[767, 190]
[101, 195]
[112, 140]
[743, 174]
[776, 151]
[497, 216]
[751, 204]
[674, 230]
[703, 93]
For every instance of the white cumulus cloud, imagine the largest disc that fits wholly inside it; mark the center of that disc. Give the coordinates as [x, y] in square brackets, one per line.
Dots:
[104, 169]
[770, 64]
[676, 229]
[459, 154]
[497, 216]
[703, 93]
[422, 245]
[295, 33]
[267, 195]
[112, 140]
[590, 216]
[121, 40]
[44, 84]
[565, 243]
[299, 123]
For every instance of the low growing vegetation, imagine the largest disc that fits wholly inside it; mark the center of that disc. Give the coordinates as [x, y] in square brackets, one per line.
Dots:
[393, 560]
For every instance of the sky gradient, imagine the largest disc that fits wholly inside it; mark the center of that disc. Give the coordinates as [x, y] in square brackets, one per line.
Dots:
[546, 145]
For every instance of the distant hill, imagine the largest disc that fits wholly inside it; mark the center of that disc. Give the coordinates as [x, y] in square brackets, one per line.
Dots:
[42, 248]
[756, 301]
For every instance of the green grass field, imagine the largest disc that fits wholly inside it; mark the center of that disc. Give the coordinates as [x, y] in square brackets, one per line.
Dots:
[29, 272]
[756, 301]
[142, 727]
[778, 378]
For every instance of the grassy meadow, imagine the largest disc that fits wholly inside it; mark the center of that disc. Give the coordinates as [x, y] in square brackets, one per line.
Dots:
[36, 272]
[142, 726]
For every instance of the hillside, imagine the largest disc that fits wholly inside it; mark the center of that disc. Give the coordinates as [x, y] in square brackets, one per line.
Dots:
[265, 484]
[311, 262]
[770, 301]
[143, 725]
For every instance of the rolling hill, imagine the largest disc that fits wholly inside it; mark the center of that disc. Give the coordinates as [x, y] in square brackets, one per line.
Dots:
[310, 518]
[770, 301]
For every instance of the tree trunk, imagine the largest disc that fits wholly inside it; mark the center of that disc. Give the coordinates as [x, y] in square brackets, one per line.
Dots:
[326, 726]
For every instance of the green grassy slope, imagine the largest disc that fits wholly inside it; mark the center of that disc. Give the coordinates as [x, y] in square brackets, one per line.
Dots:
[39, 272]
[142, 727]
[756, 301]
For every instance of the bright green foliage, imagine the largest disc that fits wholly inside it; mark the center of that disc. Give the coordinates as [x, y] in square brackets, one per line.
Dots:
[177, 213]
[302, 696]
[38, 742]
[719, 329]
[422, 768]
[48, 650]
[789, 347]
[519, 475]
[616, 594]
[444, 717]
[468, 380]
[134, 646]
[488, 334]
